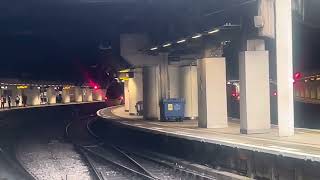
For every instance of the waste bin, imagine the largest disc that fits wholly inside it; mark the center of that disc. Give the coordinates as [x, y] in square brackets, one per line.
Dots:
[172, 109]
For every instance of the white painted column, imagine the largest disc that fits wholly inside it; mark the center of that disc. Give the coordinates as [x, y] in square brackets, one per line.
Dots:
[174, 81]
[212, 96]
[78, 94]
[284, 67]
[89, 94]
[254, 92]
[135, 90]
[33, 96]
[66, 95]
[151, 94]
[189, 90]
[318, 92]
[97, 94]
[51, 95]
[126, 96]
[313, 90]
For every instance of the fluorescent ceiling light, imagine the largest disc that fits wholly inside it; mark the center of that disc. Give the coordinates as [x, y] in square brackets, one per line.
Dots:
[181, 41]
[196, 36]
[166, 45]
[214, 31]
[155, 48]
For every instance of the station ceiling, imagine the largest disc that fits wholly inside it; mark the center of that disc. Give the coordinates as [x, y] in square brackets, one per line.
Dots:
[64, 38]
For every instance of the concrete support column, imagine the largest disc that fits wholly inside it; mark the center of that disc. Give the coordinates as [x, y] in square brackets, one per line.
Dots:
[135, 90]
[97, 95]
[51, 94]
[313, 91]
[126, 96]
[66, 95]
[307, 91]
[318, 92]
[212, 97]
[14, 93]
[254, 92]
[189, 90]
[164, 76]
[284, 67]
[78, 94]
[89, 94]
[174, 81]
[151, 94]
[33, 96]
[302, 91]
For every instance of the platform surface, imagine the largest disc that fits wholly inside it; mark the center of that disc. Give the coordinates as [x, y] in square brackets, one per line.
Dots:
[46, 105]
[304, 145]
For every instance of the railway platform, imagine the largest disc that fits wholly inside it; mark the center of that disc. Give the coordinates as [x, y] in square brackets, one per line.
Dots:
[299, 155]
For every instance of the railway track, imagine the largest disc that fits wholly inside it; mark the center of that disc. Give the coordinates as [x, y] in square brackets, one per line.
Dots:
[108, 161]
[16, 169]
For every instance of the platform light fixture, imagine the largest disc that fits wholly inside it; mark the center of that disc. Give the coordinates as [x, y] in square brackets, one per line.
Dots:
[214, 31]
[181, 41]
[196, 36]
[167, 45]
[154, 48]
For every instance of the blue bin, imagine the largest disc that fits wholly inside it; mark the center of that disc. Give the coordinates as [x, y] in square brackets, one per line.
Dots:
[172, 109]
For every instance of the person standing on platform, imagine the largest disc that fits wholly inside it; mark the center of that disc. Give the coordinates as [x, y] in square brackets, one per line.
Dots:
[2, 102]
[9, 102]
[24, 100]
[17, 101]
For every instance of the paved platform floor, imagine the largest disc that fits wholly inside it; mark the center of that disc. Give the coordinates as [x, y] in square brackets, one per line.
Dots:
[46, 105]
[304, 145]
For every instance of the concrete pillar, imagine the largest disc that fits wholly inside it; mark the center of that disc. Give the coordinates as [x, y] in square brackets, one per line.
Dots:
[97, 94]
[33, 96]
[151, 94]
[313, 91]
[126, 96]
[302, 91]
[66, 95]
[89, 94]
[164, 76]
[254, 92]
[174, 81]
[51, 94]
[135, 90]
[78, 94]
[318, 91]
[14, 93]
[284, 67]
[307, 91]
[189, 90]
[212, 96]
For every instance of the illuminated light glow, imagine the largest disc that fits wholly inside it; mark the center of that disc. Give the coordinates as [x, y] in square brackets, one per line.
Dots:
[66, 87]
[22, 87]
[167, 45]
[181, 41]
[214, 31]
[95, 87]
[154, 48]
[229, 83]
[275, 93]
[297, 75]
[196, 36]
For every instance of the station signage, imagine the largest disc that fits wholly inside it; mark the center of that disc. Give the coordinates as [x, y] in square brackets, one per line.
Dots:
[22, 87]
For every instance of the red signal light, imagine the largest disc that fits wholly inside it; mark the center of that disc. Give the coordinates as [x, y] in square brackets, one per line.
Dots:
[95, 87]
[297, 76]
